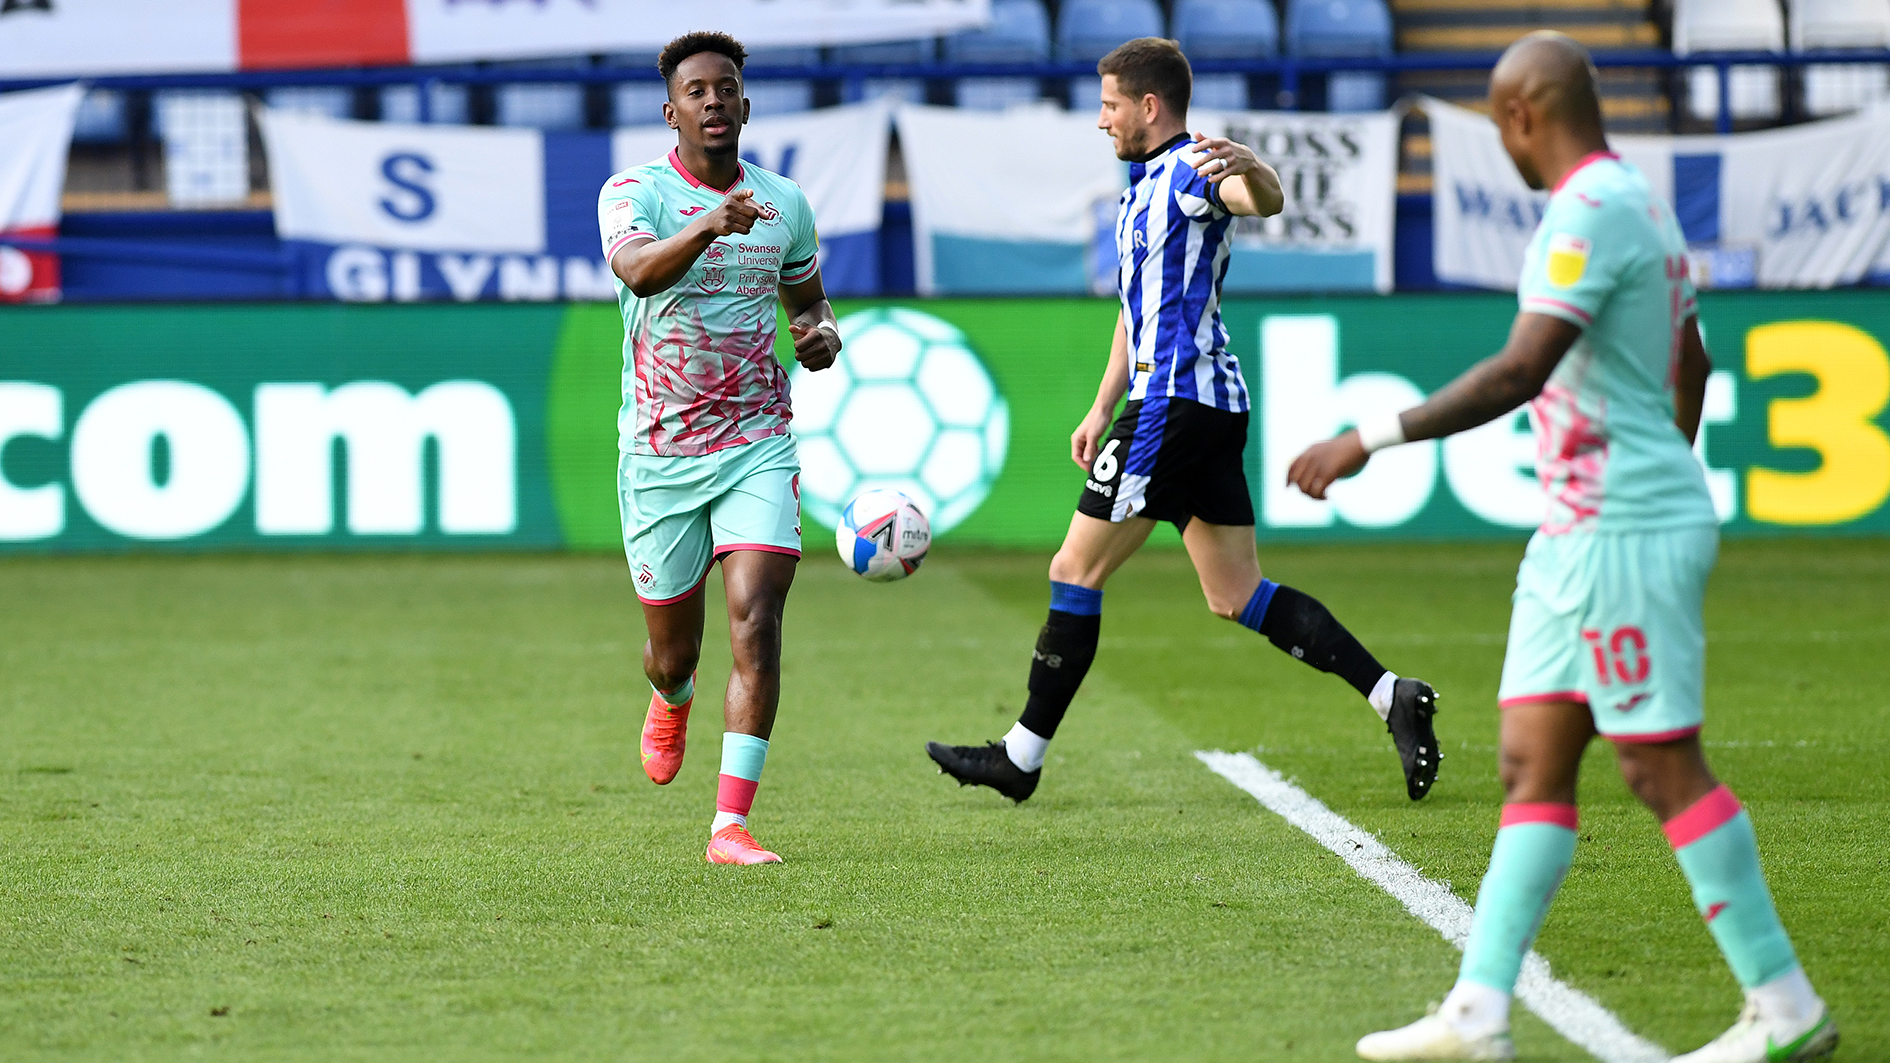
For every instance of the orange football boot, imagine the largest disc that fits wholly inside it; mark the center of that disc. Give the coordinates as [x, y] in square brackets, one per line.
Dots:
[734, 845]
[664, 732]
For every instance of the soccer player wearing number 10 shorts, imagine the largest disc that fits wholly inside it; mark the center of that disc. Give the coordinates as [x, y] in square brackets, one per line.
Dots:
[1607, 633]
[703, 246]
[1175, 452]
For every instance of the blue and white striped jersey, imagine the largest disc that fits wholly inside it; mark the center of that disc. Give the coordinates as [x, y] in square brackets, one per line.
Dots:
[1172, 243]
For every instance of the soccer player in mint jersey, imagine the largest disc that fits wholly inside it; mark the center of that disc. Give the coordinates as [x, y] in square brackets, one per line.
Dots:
[1174, 454]
[1607, 632]
[703, 246]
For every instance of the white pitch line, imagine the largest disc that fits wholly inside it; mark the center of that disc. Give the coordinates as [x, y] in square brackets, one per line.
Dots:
[1573, 1013]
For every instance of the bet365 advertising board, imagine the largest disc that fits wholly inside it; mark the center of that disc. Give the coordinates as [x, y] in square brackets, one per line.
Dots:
[493, 426]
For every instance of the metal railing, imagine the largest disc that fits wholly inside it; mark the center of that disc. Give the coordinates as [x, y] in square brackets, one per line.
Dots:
[1289, 69]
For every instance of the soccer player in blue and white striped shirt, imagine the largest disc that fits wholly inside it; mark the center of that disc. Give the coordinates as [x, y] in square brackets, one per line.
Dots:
[1174, 453]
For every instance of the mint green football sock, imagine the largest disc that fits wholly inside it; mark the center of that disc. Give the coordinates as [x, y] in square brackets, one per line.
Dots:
[1718, 851]
[1533, 849]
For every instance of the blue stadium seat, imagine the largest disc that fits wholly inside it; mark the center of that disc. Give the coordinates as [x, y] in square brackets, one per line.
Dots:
[767, 97]
[636, 102]
[1019, 33]
[1087, 30]
[101, 119]
[1225, 29]
[904, 90]
[541, 104]
[330, 101]
[1339, 29]
[447, 104]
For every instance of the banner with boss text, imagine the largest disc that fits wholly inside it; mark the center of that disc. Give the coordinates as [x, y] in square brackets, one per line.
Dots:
[385, 212]
[984, 224]
[486, 426]
[1803, 207]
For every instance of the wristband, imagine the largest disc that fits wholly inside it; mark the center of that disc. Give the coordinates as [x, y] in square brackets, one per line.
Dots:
[1377, 433]
[830, 329]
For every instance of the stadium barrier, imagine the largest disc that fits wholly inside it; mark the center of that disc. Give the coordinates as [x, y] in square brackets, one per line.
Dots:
[347, 427]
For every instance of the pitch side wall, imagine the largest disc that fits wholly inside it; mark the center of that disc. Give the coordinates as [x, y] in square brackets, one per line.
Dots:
[493, 426]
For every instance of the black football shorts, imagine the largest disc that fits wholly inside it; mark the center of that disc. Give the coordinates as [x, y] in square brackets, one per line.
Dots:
[1173, 460]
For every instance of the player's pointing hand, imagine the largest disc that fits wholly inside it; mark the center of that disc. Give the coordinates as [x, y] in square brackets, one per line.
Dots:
[1219, 158]
[1325, 463]
[735, 215]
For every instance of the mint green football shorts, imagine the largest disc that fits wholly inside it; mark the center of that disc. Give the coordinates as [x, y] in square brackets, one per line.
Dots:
[682, 514]
[1614, 620]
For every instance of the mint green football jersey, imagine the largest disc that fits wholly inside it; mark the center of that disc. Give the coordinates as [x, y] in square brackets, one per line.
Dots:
[1609, 258]
[699, 369]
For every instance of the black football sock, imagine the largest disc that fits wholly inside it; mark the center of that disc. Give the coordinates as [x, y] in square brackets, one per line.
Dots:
[1065, 649]
[1302, 627]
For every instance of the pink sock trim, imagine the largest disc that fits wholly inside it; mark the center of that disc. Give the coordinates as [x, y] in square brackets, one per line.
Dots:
[1540, 812]
[1707, 815]
[735, 794]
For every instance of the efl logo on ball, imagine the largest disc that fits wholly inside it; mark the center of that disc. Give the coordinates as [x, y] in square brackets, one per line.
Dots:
[906, 407]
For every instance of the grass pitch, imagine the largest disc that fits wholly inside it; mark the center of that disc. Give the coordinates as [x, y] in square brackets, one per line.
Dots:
[390, 808]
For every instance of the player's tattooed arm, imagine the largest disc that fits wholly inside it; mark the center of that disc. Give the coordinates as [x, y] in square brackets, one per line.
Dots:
[1095, 424]
[1486, 391]
[811, 323]
[647, 267]
[1689, 393]
[1256, 194]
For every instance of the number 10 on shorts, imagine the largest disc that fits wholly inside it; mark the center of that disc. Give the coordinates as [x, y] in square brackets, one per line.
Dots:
[1621, 654]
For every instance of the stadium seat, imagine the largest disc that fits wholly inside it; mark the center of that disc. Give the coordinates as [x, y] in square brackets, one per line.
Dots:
[1833, 88]
[102, 118]
[330, 101]
[541, 104]
[903, 90]
[1225, 29]
[636, 102]
[1725, 26]
[447, 104]
[1087, 30]
[1019, 33]
[768, 96]
[1342, 29]
[206, 145]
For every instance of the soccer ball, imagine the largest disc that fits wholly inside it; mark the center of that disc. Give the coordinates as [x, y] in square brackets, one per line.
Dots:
[907, 407]
[883, 536]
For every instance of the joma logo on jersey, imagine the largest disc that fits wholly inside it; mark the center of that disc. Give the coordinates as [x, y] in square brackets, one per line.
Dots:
[690, 212]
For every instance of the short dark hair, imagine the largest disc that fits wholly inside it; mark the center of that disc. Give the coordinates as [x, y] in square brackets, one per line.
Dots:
[1151, 64]
[695, 44]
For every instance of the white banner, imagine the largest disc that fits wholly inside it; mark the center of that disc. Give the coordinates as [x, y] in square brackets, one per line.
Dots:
[837, 156]
[425, 188]
[1006, 202]
[58, 38]
[1340, 176]
[35, 136]
[1805, 207]
[454, 30]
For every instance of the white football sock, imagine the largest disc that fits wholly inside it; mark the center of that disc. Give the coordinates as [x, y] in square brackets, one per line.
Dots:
[1475, 1010]
[723, 819]
[1380, 696]
[1789, 996]
[1025, 747]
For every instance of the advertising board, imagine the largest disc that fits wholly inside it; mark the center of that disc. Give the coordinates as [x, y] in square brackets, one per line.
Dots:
[488, 426]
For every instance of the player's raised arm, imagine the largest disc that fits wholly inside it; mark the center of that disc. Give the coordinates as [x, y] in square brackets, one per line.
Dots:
[1486, 391]
[649, 266]
[1256, 194]
[1095, 425]
[811, 322]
